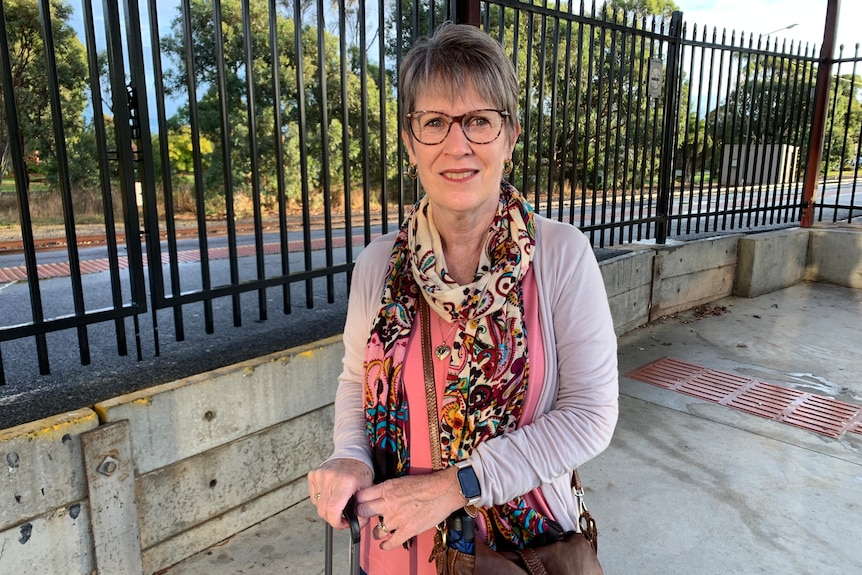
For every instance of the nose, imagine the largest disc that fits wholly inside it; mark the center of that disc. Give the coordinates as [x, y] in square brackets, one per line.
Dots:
[456, 141]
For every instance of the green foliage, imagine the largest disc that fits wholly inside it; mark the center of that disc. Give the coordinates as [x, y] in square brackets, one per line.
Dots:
[181, 150]
[29, 71]
[842, 146]
[662, 8]
[770, 104]
[310, 86]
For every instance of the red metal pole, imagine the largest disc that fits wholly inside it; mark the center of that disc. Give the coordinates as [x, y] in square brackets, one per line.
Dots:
[468, 12]
[821, 102]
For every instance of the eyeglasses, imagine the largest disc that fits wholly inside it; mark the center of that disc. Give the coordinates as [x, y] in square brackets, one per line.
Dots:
[479, 126]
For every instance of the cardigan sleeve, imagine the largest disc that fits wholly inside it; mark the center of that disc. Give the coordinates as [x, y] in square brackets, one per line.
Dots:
[578, 413]
[349, 437]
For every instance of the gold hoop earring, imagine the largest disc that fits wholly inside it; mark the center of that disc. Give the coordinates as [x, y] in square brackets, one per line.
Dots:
[507, 167]
[412, 171]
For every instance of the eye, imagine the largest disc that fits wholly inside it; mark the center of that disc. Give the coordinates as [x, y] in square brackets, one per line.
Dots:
[479, 121]
[429, 121]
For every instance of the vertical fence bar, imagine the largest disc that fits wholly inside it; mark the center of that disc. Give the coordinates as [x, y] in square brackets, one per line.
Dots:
[698, 152]
[345, 131]
[157, 286]
[576, 126]
[226, 130]
[384, 160]
[302, 128]
[615, 70]
[824, 162]
[564, 174]
[65, 180]
[363, 87]
[707, 147]
[540, 114]
[642, 130]
[104, 173]
[277, 125]
[604, 106]
[528, 124]
[687, 153]
[323, 104]
[254, 155]
[668, 128]
[22, 190]
[200, 193]
[715, 140]
[145, 170]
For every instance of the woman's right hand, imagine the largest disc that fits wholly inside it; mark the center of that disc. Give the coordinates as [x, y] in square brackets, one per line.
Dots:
[331, 486]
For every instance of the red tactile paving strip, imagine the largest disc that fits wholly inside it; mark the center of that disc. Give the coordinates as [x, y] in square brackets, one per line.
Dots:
[815, 413]
[45, 271]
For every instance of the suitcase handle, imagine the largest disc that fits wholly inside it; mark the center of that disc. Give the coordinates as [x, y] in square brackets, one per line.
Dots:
[349, 515]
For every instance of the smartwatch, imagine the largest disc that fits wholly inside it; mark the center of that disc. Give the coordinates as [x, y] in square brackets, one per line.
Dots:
[470, 489]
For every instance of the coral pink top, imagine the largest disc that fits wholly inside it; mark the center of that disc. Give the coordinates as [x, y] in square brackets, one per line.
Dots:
[415, 560]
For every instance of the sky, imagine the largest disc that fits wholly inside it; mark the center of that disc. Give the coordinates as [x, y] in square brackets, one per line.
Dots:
[766, 16]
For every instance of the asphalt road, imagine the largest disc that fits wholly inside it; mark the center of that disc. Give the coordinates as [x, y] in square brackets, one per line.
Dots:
[28, 396]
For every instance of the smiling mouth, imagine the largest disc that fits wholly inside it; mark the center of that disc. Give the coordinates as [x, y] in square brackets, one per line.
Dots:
[459, 175]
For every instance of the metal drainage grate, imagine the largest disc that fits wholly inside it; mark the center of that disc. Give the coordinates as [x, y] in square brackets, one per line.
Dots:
[815, 413]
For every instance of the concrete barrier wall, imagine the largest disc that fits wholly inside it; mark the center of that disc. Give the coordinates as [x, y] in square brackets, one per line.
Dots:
[628, 281]
[44, 509]
[835, 256]
[145, 480]
[771, 261]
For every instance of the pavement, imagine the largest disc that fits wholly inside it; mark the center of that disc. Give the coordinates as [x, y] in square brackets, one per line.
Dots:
[693, 483]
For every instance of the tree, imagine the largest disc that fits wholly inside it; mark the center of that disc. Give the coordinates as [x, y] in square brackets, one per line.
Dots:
[769, 103]
[841, 148]
[29, 70]
[205, 76]
[180, 150]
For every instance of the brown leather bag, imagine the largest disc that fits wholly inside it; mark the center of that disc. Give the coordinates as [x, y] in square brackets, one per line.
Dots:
[573, 555]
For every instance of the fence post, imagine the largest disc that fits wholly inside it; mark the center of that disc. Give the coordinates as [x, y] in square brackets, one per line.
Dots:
[110, 474]
[818, 122]
[467, 12]
[668, 132]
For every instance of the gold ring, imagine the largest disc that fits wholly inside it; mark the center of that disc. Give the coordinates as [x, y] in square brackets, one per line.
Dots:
[382, 527]
[317, 495]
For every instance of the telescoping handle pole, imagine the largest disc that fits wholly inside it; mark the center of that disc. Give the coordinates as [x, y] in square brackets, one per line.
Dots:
[349, 515]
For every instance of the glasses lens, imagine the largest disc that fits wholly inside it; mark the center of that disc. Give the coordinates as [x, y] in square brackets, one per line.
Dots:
[480, 126]
[430, 127]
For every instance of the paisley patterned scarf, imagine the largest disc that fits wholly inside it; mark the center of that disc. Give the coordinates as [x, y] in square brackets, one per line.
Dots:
[488, 368]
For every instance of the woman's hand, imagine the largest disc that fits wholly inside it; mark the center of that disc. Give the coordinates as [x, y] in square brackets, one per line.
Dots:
[409, 505]
[331, 486]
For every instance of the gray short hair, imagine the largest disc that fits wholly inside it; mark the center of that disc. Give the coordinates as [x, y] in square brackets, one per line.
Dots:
[455, 56]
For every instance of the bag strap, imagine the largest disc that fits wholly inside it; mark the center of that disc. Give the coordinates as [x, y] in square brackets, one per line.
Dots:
[430, 386]
[585, 519]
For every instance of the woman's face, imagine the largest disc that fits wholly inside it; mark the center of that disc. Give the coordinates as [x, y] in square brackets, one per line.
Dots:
[457, 174]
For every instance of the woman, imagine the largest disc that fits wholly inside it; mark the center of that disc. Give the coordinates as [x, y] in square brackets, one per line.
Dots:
[524, 361]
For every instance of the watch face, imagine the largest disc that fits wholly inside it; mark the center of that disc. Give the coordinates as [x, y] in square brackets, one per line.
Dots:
[469, 483]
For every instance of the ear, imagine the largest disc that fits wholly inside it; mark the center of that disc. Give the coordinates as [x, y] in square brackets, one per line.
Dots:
[408, 143]
[516, 131]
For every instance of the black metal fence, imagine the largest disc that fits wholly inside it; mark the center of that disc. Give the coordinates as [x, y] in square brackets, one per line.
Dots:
[278, 130]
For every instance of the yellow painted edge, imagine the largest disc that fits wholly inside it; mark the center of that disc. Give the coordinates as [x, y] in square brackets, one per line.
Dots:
[50, 427]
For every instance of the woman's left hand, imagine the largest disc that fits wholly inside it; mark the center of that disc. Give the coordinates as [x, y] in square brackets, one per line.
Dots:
[409, 505]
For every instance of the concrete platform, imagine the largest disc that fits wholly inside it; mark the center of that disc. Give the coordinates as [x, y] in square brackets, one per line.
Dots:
[689, 486]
